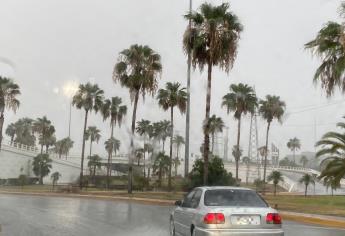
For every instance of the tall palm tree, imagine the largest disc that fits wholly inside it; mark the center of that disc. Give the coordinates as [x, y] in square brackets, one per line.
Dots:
[241, 100]
[271, 108]
[11, 131]
[113, 109]
[329, 46]
[63, 146]
[169, 98]
[161, 166]
[139, 154]
[306, 179]
[44, 128]
[94, 134]
[330, 182]
[304, 161]
[215, 125]
[41, 166]
[275, 177]
[25, 131]
[332, 150]
[55, 178]
[137, 70]
[8, 99]
[211, 40]
[89, 97]
[294, 144]
[94, 162]
[111, 145]
[179, 141]
[144, 129]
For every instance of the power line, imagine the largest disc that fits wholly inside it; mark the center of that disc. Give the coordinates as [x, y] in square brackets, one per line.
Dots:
[311, 108]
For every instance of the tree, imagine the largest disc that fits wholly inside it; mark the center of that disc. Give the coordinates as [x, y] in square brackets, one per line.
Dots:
[329, 46]
[41, 166]
[113, 110]
[332, 149]
[25, 132]
[294, 144]
[215, 125]
[44, 128]
[89, 97]
[306, 180]
[258, 184]
[11, 131]
[211, 39]
[271, 108]
[169, 98]
[241, 100]
[161, 166]
[111, 145]
[137, 70]
[330, 182]
[144, 129]
[178, 140]
[139, 154]
[92, 133]
[218, 176]
[23, 180]
[304, 161]
[63, 146]
[8, 99]
[55, 178]
[275, 177]
[93, 163]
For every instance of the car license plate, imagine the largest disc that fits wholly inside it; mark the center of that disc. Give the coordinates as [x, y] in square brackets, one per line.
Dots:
[245, 220]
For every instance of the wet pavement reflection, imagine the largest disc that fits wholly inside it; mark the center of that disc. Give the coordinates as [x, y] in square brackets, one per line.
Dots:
[41, 216]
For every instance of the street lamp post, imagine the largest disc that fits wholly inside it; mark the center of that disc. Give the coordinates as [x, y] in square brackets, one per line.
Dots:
[69, 89]
[189, 62]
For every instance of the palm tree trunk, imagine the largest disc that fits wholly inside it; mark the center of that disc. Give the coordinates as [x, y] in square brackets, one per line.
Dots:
[212, 143]
[94, 174]
[294, 156]
[275, 189]
[83, 153]
[306, 190]
[144, 162]
[12, 139]
[207, 117]
[110, 154]
[130, 166]
[177, 157]
[163, 145]
[1, 127]
[171, 145]
[237, 158]
[266, 153]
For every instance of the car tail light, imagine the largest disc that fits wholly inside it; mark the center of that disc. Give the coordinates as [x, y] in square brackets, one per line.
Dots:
[273, 218]
[214, 218]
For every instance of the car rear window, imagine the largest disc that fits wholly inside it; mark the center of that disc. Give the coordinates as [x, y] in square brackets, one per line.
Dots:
[233, 197]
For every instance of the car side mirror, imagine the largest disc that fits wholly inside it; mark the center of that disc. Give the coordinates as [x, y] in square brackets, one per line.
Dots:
[178, 203]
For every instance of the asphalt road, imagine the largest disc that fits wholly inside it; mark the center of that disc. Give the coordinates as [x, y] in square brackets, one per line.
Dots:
[40, 216]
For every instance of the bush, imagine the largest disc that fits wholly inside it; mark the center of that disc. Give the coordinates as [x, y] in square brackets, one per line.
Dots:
[217, 175]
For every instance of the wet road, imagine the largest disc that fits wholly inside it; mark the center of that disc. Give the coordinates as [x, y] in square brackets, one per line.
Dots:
[41, 216]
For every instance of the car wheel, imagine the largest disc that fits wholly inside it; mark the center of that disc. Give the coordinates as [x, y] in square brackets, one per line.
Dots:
[172, 228]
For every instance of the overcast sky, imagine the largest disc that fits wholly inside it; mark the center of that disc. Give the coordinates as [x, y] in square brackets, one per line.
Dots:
[51, 42]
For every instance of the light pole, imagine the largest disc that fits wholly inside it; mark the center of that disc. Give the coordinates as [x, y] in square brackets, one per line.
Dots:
[69, 89]
[189, 62]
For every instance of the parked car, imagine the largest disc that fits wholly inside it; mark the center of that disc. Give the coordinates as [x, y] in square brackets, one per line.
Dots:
[224, 211]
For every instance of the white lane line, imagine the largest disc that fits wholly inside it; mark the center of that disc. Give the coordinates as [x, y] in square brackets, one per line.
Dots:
[316, 227]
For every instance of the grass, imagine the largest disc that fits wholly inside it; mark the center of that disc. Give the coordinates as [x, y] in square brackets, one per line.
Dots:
[322, 205]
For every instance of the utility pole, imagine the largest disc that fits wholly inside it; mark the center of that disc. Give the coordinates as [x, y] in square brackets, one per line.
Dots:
[189, 62]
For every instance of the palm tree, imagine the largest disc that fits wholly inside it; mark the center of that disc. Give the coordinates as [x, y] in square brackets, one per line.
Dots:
[276, 177]
[45, 130]
[161, 166]
[111, 145]
[306, 180]
[25, 132]
[215, 125]
[11, 131]
[329, 46]
[144, 128]
[240, 100]
[178, 140]
[94, 162]
[172, 96]
[294, 144]
[41, 166]
[139, 154]
[330, 182]
[304, 161]
[333, 151]
[90, 98]
[138, 69]
[92, 133]
[55, 178]
[8, 99]
[270, 109]
[113, 109]
[211, 39]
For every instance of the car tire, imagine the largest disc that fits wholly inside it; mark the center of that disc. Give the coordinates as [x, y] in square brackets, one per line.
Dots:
[172, 228]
